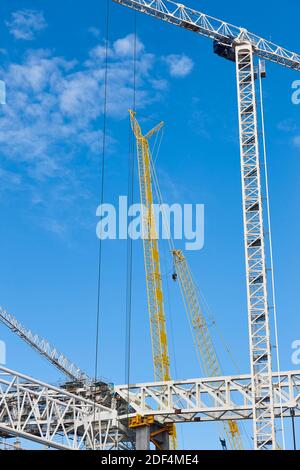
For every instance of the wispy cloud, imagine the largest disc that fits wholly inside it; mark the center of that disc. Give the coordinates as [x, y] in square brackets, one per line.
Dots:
[53, 104]
[179, 65]
[50, 128]
[25, 24]
[290, 126]
[127, 46]
[53, 117]
[95, 32]
[296, 141]
[287, 125]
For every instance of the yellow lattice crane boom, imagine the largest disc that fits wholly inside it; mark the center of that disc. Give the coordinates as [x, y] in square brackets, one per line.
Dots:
[205, 349]
[152, 261]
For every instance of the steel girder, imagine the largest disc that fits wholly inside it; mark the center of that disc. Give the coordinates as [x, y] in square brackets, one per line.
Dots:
[52, 416]
[58, 419]
[209, 399]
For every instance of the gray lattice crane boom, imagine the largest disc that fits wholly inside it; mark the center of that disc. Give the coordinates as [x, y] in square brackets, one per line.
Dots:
[241, 46]
[43, 347]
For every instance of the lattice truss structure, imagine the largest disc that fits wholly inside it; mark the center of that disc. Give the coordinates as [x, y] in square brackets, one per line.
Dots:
[58, 419]
[256, 274]
[43, 347]
[205, 349]
[52, 416]
[210, 399]
[213, 28]
[158, 330]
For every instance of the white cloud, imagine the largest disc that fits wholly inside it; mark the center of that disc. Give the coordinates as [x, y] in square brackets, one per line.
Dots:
[54, 106]
[296, 141]
[179, 65]
[126, 47]
[24, 24]
[50, 128]
[287, 125]
[94, 32]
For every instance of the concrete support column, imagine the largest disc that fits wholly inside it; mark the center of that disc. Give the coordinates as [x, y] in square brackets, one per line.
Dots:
[142, 438]
[164, 440]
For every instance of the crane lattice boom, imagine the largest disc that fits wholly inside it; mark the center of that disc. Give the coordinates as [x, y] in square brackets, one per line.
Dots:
[43, 347]
[213, 28]
[205, 349]
[158, 330]
[151, 257]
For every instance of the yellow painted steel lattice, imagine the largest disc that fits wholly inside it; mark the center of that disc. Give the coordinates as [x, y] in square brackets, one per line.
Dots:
[158, 330]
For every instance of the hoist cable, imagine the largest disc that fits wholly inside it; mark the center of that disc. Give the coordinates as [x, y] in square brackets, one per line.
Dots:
[102, 177]
[129, 262]
[265, 154]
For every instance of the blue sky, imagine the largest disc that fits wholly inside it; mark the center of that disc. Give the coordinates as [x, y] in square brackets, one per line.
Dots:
[50, 148]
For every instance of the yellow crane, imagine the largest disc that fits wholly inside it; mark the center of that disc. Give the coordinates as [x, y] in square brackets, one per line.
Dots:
[202, 338]
[158, 330]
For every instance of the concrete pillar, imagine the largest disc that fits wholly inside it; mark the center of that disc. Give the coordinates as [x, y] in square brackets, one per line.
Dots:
[165, 441]
[142, 438]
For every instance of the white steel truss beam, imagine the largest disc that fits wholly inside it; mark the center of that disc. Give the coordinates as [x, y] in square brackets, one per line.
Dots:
[209, 399]
[52, 416]
[43, 347]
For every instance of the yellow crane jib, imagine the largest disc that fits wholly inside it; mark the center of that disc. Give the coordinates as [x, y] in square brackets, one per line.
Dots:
[158, 330]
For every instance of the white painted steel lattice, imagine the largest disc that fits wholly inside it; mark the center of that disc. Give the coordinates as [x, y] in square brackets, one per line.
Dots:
[51, 416]
[43, 347]
[258, 311]
[205, 25]
[210, 398]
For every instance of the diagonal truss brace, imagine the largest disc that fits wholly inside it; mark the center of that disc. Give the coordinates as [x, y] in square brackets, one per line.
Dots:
[52, 416]
[43, 347]
[209, 399]
[256, 273]
[213, 28]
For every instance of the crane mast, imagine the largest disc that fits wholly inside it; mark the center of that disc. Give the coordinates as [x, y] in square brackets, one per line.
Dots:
[256, 273]
[240, 46]
[158, 330]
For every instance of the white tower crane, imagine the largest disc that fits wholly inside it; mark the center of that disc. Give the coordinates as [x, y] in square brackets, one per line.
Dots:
[240, 46]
